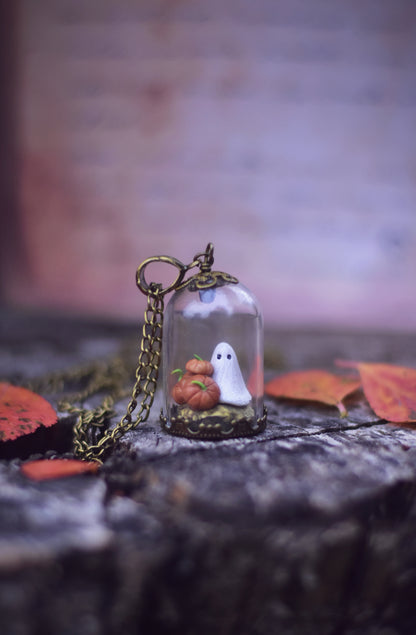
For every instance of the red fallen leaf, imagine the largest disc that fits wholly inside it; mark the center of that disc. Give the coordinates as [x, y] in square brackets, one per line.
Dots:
[45, 469]
[390, 390]
[22, 412]
[314, 385]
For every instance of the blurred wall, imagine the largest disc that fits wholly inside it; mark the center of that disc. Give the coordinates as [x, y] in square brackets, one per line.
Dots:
[281, 130]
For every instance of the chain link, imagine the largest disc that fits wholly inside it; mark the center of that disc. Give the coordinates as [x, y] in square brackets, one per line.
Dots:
[90, 423]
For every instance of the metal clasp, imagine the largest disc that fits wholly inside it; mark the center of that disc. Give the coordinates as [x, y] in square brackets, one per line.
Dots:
[203, 260]
[147, 288]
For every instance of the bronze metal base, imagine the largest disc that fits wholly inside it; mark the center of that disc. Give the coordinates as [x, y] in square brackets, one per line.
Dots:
[221, 422]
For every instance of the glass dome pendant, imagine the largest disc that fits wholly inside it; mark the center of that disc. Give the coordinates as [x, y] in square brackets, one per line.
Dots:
[212, 349]
[212, 362]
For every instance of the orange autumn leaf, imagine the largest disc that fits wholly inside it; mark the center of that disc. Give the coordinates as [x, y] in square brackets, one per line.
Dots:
[390, 390]
[314, 385]
[22, 412]
[45, 469]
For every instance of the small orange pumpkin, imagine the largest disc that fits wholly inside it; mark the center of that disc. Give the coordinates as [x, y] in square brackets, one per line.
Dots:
[178, 389]
[199, 367]
[201, 393]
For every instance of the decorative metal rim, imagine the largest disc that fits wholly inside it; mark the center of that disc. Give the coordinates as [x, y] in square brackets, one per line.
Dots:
[207, 280]
[243, 428]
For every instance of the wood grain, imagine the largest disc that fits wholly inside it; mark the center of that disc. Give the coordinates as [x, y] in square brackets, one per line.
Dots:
[307, 528]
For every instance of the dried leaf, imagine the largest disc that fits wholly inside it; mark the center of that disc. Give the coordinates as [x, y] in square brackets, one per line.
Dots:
[390, 390]
[22, 412]
[314, 385]
[45, 469]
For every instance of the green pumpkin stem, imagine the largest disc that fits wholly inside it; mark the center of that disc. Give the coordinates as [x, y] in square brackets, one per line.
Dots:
[198, 357]
[199, 383]
[179, 372]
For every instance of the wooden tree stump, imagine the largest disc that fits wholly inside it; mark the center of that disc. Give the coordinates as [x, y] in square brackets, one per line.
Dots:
[307, 528]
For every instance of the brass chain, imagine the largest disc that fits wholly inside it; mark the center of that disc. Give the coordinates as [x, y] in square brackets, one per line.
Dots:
[90, 423]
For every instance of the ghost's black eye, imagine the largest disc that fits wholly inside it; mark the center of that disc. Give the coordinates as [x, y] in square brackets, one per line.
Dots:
[219, 356]
[229, 356]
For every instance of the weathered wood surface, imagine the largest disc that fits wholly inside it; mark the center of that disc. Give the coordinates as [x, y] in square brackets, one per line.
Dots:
[308, 528]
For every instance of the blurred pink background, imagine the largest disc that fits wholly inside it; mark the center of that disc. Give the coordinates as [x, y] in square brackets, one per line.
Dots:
[281, 130]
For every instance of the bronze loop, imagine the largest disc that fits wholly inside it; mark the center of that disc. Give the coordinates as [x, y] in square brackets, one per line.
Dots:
[208, 259]
[149, 288]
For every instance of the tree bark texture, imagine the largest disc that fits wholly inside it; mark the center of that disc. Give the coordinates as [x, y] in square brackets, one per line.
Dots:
[308, 528]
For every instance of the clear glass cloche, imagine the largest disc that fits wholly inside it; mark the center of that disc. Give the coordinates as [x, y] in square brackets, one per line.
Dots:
[213, 358]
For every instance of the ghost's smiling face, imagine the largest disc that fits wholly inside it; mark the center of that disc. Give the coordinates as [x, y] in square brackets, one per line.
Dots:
[227, 375]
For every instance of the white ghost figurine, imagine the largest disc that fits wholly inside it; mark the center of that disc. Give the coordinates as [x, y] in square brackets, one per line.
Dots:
[227, 375]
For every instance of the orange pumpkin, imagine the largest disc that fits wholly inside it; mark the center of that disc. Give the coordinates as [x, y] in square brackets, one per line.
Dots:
[201, 393]
[178, 389]
[199, 367]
